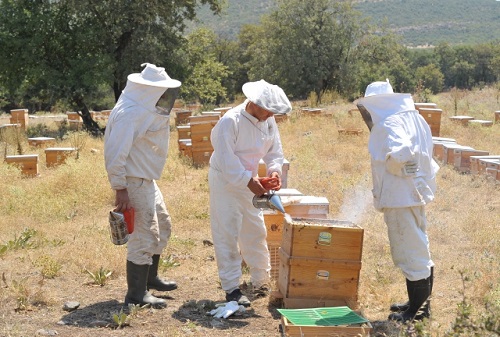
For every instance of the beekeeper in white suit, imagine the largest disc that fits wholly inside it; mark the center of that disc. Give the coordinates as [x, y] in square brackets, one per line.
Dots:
[243, 136]
[404, 173]
[135, 152]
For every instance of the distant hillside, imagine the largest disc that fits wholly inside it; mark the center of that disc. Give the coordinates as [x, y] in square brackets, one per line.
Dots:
[420, 22]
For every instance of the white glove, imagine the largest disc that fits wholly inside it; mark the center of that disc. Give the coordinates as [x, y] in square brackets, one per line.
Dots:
[406, 169]
[227, 309]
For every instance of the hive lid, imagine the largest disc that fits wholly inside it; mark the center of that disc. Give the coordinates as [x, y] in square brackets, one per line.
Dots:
[329, 316]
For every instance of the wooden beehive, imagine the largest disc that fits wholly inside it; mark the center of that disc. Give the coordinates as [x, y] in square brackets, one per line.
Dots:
[183, 132]
[280, 118]
[485, 163]
[182, 117]
[185, 147]
[207, 118]
[41, 141]
[57, 155]
[448, 154]
[27, 163]
[474, 162]
[497, 116]
[464, 120]
[19, 116]
[437, 150]
[312, 111]
[223, 110]
[320, 262]
[462, 158]
[433, 117]
[201, 158]
[262, 171]
[480, 122]
[291, 330]
[428, 105]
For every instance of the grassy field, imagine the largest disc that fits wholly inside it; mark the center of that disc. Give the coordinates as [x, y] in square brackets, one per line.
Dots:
[55, 245]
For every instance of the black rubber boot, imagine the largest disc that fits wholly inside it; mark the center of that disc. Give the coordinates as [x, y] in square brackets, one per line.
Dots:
[156, 283]
[399, 307]
[137, 277]
[418, 293]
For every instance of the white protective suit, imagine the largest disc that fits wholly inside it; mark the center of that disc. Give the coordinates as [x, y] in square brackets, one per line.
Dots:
[135, 151]
[399, 136]
[240, 141]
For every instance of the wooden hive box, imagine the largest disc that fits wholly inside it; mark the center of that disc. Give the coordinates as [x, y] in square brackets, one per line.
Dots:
[201, 158]
[183, 131]
[262, 171]
[433, 117]
[185, 147]
[497, 116]
[281, 118]
[474, 162]
[492, 172]
[462, 158]
[429, 105]
[485, 163]
[480, 122]
[461, 119]
[320, 263]
[41, 141]
[291, 330]
[200, 136]
[448, 154]
[210, 118]
[223, 110]
[57, 155]
[498, 175]
[19, 116]
[437, 150]
[182, 117]
[27, 163]
[312, 111]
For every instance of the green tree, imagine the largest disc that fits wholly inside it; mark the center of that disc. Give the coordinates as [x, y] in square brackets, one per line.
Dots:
[306, 46]
[431, 78]
[70, 48]
[206, 73]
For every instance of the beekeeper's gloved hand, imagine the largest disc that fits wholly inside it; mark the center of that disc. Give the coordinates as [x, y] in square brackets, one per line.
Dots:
[401, 169]
[410, 168]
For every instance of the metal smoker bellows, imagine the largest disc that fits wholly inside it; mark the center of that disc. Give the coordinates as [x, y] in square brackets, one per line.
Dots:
[268, 201]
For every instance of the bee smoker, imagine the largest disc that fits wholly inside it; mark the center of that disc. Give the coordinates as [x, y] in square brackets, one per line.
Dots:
[118, 228]
[268, 201]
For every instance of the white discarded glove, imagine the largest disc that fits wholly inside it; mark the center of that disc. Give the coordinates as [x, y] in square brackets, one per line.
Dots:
[227, 309]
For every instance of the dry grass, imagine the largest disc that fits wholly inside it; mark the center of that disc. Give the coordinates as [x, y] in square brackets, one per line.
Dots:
[67, 207]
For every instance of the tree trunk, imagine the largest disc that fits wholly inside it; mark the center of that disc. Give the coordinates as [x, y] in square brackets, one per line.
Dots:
[89, 124]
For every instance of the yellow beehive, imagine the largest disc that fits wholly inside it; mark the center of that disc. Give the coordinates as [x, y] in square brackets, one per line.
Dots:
[462, 158]
[19, 116]
[57, 155]
[28, 163]
[433, 117]
[320, 263]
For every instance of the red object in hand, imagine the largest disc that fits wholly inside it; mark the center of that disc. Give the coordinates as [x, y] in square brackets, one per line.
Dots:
[269, 183]
[129, 216]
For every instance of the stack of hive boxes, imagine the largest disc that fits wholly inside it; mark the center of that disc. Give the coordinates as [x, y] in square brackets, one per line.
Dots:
[447, 151]
[432, 115]
[200, 147]
[19, 116]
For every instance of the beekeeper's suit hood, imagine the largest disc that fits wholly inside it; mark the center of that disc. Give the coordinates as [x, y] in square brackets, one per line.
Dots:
[267, 96]
[146, 89]
[381, 101]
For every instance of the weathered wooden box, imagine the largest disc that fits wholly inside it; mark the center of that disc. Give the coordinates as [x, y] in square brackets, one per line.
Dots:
[428, 105]
[474, 162]
[41, 141]
[57, 155]
[291, 330]
[485, 163]
[448, 152]
[437, 150]
[497, 116]
[185, 147]
[182, 117]
[462, 158]
[183, 132]
[27, 163]
[433, 117]
[203, 119]
[201, 158]
[464, 120]
[19, 116]
[480, 122]
[320, 263]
